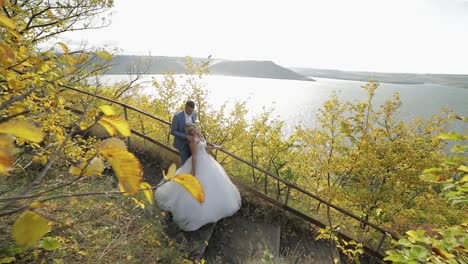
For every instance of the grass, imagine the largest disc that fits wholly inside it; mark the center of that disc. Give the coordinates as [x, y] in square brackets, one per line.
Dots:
[96, 229]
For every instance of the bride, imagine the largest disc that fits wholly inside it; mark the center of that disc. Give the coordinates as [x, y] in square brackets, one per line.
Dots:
[222, 198]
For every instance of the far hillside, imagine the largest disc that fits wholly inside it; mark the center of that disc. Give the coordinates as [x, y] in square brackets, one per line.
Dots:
[123, 64]
[159, 64]
[454, 80]
[259, 69]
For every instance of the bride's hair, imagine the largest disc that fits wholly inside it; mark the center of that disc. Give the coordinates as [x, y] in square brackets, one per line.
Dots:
[188, 127]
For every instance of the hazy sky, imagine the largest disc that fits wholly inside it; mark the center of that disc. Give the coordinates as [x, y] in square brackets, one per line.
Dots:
[426, 36]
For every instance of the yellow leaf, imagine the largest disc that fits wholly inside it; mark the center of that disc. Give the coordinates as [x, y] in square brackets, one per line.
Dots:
[14, 33]
[112, 143]
[37, 205]
[137, 202]
[170, 172]
[92, 113]
[108, 127]
[95, 167]
[463, 168]
[29, 228]
[6, 143]
[6, 154]
[7, 22]
[107, 110]
[81, 59]
[464, 179]
[83, 253]
[64, 47]
[68, 221]
[118, 123]
[17, 109]
[70, 70]
[6, 162]
[192, 185]
[22, 129]
[7, 51]
[126, 166]
[104, 55]
[73, 200]
[85, 125]
[69, 60]
[147, 191]
[36, 159]
[122, 189]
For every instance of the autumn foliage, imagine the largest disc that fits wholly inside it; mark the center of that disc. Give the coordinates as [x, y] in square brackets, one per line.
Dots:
[360, 156]
[44, 145]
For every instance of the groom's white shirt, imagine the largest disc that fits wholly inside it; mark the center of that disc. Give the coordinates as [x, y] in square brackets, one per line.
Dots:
[188, 119]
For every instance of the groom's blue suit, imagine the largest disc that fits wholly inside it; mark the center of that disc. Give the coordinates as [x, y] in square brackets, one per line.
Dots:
[180, 138]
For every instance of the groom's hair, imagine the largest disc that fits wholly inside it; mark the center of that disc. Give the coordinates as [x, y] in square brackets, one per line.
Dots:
[190, 104]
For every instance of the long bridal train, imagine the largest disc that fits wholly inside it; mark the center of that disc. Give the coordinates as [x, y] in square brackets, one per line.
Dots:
[222, 199]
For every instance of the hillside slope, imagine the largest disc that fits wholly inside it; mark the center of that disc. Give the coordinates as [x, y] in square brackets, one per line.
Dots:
[124, 64]
[259, 69]
[455, 80]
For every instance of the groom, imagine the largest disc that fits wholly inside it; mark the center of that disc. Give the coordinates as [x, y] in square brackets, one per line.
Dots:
[179, 122]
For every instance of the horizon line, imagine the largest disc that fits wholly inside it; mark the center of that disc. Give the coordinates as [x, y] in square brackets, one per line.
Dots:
[291, 67]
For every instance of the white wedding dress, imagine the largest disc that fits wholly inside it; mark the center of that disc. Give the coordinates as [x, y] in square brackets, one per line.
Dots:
[222, 199]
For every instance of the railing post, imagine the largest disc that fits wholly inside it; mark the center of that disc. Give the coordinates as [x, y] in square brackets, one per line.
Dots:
[126, 118]
[287, 196]
[381, 243]
[168, 139]
[266, 184]
[278, 190]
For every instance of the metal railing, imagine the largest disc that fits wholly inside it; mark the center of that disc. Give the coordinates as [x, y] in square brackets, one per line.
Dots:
[288, 196]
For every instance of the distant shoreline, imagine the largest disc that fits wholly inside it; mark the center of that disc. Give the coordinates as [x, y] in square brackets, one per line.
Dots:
[455, 80]
[268, 69]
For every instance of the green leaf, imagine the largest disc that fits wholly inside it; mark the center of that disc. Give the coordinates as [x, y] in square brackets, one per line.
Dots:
[7, 260]
[417, 236]
[451, 136]
[11, 250]
[429, 177]
[447, 186]
[395, 256]
[378, 211]
[419, 252]
[49, 243]
[459, 148]
[405, 242]
[432, 170]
